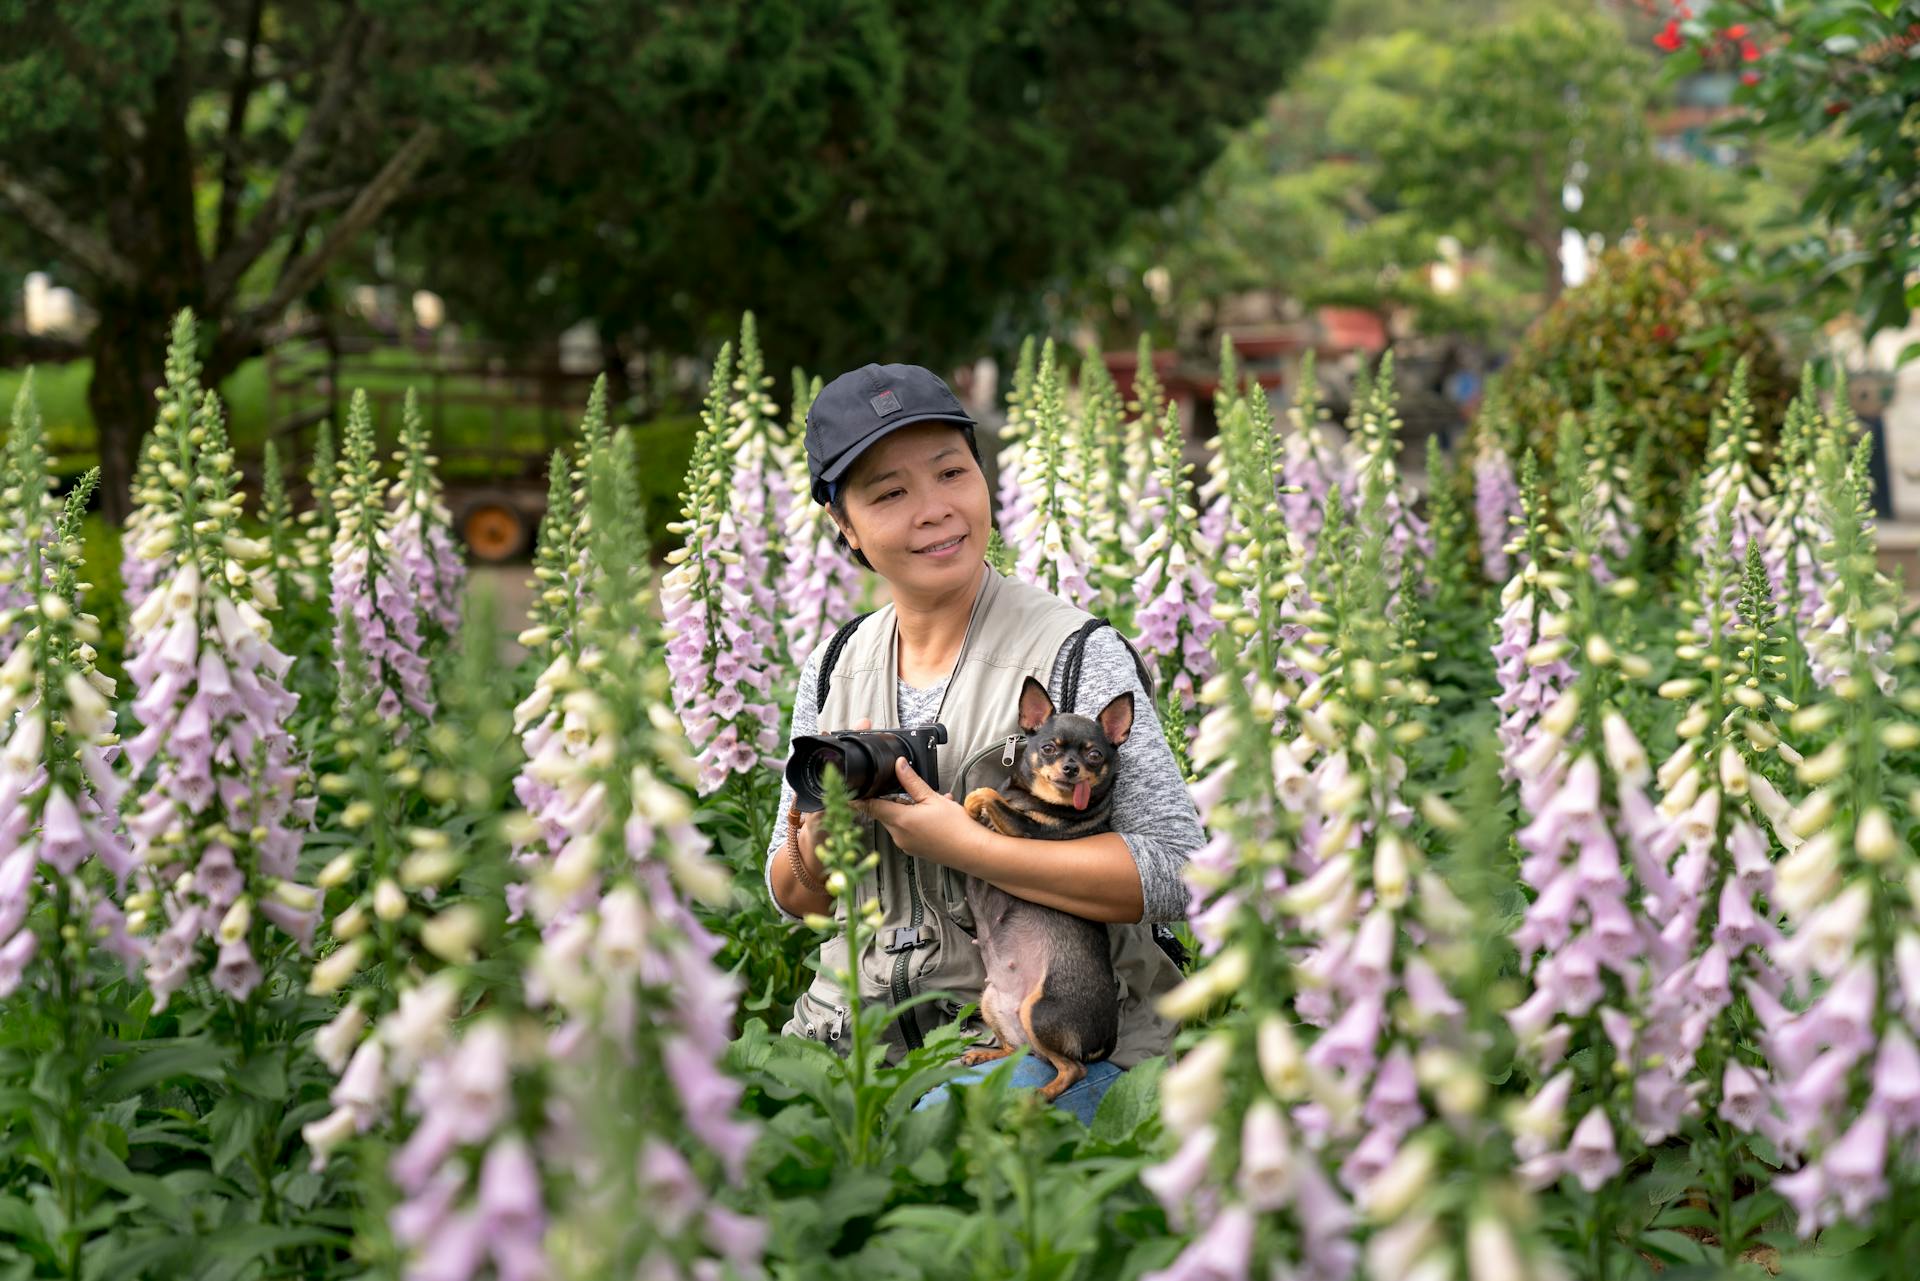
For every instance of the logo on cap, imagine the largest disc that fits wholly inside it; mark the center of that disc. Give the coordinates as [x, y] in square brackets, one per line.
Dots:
[885, 403]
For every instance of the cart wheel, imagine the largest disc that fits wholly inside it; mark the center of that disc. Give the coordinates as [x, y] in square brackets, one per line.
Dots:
[493, 529]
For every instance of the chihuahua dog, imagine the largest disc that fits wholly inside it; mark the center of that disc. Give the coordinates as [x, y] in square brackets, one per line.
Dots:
[1050, 980]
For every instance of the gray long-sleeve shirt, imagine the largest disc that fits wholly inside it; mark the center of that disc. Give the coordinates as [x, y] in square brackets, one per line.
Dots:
[1151, 809]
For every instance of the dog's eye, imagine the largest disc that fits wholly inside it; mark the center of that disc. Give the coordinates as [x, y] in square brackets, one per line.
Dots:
[1093, 756]
[1048, 749]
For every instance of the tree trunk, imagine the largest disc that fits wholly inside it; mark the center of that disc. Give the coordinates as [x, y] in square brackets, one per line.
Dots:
[129, 350]
[613, 362]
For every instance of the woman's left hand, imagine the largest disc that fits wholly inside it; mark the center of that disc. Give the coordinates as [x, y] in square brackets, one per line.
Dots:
[933, 826]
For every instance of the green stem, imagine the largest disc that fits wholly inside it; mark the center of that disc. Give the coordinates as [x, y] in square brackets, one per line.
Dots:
[71, 1122]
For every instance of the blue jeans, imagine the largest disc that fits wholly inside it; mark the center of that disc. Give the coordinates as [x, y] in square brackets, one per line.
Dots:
[1082, 1098]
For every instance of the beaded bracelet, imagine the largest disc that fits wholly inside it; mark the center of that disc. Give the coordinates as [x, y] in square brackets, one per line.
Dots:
[794, 858]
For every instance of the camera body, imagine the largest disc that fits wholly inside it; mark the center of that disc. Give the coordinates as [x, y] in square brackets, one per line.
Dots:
[865, 758]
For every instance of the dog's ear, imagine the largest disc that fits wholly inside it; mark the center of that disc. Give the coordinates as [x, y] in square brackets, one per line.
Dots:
[1116, 718]
[1036, 708]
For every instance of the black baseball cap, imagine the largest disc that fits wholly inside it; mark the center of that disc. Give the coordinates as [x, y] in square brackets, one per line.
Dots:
[860, 406]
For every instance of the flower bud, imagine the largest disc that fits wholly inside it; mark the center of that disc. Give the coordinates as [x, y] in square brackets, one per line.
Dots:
[1825, 765]
[1874, 839]
[1192, 1090]
[1599, 652]
[389, 901]
[451, 936]
[1390, 870]
[1394, 1190]
[428, 867]
[1435, 809]
[1814, 812]
[1559, 718]
[338, 871]
[1900, 736]
[1282, 1065]
[1733, 771]
[337, 967]
[239, 916]
[351, 924]
[1492, 1253]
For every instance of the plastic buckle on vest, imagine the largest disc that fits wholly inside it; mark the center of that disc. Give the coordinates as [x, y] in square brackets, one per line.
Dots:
[904, 938]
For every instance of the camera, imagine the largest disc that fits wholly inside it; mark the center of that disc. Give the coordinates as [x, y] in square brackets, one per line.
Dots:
[865, 758]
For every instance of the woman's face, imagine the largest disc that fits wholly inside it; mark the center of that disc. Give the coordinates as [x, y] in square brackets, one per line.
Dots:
[916, 490]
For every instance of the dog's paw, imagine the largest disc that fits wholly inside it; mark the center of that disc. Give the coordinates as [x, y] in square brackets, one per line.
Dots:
[980, 805]
[974, 1058]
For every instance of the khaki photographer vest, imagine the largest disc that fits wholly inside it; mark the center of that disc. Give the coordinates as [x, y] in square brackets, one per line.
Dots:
[1018, 630]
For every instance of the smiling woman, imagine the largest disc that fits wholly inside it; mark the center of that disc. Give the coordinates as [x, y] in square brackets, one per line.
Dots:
[893, 456]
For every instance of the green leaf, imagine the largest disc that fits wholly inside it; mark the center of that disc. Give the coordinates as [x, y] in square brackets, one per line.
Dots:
[147, 1189]
[1840, 1239]
[233, 1124]
[233, 1250]
[157, 1256]
[264, 1076]
[1673, 1247]
[1130, 1103]
[205, 1060]
[17, 1221]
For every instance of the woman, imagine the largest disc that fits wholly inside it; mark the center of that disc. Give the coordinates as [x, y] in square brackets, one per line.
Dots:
[892, 454]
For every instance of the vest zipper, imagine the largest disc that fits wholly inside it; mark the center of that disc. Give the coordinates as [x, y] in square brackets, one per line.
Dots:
[902, 990]
[909, 1021]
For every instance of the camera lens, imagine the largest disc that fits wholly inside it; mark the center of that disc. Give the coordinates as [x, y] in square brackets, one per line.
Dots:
[816, 767]
[865, 759]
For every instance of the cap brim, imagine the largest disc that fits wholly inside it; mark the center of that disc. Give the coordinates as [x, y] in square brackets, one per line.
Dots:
[838, 467]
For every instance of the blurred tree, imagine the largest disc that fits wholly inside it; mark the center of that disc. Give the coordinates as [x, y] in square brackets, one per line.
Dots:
[1844, 74]
[866, 175]
[1416, 121]
[1511, 135]
[1663, 324]
[222, 154]
[859, 172]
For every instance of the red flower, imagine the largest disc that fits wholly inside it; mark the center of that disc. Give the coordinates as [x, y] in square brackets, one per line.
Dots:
[1749, 77]
[1749, 51]
[1661, 333]
[1835, 108]
[1738, 31]
[1670, 38]
[1684, 10]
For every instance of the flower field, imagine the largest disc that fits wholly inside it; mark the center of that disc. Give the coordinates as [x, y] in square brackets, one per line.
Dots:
[1559, 916]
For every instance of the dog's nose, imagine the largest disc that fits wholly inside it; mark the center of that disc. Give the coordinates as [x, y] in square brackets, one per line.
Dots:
[1069, 768]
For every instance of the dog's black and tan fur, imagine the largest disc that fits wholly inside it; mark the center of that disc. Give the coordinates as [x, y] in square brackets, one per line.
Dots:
[1050, 981]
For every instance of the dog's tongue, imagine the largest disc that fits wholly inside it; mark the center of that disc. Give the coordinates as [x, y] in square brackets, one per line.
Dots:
[1082, 793]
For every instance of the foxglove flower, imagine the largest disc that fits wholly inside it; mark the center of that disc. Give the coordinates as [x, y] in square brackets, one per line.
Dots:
[26, 515]
[58, 787]
[420, 528]
[1731, 487]
[1496, 493]
[716, 651]
[1313, 468]
[1174, 595]
[217, 812]
[374, 585]
[821, 583]
[1373, 445]
[763, 497]
[147, 540]
[1051, 550]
